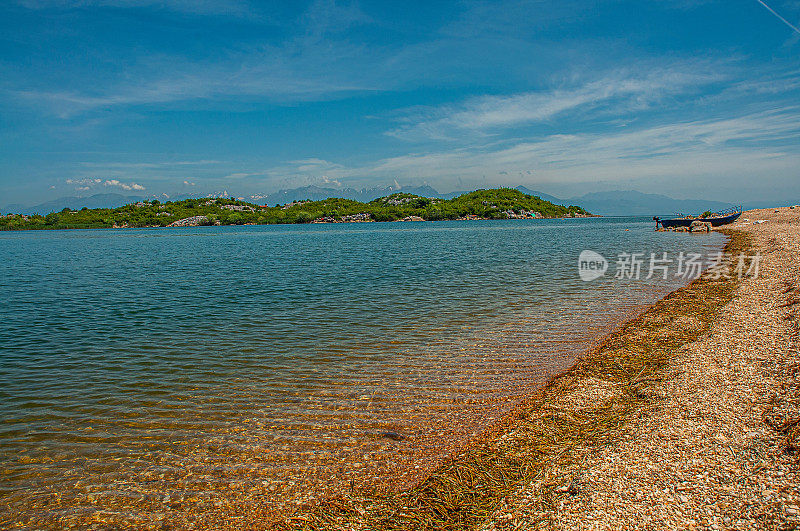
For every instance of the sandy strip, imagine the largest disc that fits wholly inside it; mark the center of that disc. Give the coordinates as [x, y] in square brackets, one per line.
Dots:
[714, 446]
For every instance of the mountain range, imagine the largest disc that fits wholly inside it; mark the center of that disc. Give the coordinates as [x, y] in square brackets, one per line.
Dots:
[612, 203]
[74, 203]
[633, 203]
[317, 193]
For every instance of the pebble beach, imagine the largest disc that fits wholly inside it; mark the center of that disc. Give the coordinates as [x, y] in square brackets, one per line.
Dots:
[686, 417]
[714, 445]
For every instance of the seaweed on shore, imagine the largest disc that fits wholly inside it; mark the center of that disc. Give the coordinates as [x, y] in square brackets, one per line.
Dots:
[574, 413]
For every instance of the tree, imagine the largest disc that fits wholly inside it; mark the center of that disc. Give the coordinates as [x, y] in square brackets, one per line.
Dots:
[303, 217]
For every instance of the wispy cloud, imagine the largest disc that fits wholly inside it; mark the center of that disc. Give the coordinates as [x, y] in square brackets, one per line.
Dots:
[616, 93]
[750, 150]
[314, 165]
[148, 165]
[323, 55]
[198, 82]
[205, 7]
[314, 61]
[296, 173]
[757, 144]
[488, 92]
[325, 17]
[693, 153]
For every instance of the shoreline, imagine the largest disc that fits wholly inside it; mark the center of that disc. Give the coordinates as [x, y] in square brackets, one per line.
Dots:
[315, 222]
[523, 469]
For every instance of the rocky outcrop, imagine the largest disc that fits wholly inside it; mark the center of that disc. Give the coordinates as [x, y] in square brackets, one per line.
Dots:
[700, 226]
[193, 221]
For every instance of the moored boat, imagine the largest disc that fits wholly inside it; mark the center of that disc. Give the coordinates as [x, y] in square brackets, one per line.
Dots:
[716, 220]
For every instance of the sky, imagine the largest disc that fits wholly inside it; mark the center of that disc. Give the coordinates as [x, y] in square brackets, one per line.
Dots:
[689, 98]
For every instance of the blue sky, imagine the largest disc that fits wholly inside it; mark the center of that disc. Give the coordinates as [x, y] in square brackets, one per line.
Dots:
[688, 98]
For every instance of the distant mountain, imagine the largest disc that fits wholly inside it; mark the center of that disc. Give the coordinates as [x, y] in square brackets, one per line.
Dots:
[14, 208]
[633, 203]
[318, 193]
[451, 195]
[541, 195]
[75, 203]
[613, 203]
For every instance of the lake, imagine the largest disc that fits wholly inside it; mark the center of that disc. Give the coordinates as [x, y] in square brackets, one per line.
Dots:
[182, 375]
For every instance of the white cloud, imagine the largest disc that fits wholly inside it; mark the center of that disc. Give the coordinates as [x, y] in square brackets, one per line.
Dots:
[84, 182]
[313, 165]
[328, 180]
[124, 186]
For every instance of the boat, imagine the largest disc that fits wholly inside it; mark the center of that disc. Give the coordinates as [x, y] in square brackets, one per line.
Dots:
[720, 218]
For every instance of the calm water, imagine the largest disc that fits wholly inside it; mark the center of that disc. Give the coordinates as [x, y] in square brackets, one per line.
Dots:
[174, 374]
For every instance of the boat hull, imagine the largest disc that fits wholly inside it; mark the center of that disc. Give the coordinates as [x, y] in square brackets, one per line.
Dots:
[686, 222]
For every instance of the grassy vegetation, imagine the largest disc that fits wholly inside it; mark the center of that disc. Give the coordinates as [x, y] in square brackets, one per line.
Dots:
[490, 204]
[543, 436]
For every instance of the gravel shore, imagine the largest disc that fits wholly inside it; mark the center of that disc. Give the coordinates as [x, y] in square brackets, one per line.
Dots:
[713, 445]
[686, 417]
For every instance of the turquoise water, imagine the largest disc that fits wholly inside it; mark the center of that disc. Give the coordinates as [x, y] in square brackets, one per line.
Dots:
[170, 374]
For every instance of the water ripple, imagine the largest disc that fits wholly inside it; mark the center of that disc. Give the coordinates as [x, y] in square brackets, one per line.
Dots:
[156, 375]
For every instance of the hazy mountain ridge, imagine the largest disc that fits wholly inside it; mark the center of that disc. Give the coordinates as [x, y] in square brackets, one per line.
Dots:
[318, 193]
[110, 200]
[610, 203]
[541, 195]
[633, 203]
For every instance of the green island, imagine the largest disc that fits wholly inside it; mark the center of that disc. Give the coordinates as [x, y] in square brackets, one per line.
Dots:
[499, 203]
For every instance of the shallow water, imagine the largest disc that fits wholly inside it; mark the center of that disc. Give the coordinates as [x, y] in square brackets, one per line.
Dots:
[168, 374]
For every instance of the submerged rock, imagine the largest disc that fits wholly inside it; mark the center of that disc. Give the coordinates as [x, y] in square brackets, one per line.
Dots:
[393, 435]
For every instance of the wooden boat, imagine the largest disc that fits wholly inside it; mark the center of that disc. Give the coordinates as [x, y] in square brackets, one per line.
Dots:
[720, 218]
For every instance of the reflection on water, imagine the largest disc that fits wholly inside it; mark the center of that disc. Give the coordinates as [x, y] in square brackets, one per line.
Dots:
[202, 374]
